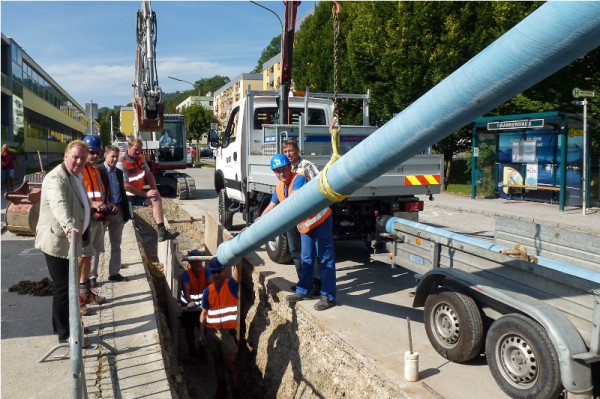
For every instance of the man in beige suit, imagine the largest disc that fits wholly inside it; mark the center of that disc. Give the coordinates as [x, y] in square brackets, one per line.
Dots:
[64, 207]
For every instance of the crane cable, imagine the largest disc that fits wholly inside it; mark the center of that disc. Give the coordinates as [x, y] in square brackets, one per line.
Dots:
[334, 127]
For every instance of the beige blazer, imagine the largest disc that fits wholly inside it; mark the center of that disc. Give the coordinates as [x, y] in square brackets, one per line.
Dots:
[61, 209]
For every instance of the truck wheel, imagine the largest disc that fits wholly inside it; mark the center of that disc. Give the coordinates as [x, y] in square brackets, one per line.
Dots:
[522, 358]
[277, 249]
[225, 215]
[454, 325]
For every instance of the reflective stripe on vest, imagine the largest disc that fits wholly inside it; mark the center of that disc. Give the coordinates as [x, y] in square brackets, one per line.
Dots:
[135, 173]
[309, 223]
[93, 183]
[224, 314]
[315, 220]
[197, 286]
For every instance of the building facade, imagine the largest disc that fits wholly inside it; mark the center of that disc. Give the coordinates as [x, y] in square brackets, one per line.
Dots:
[234, 91]
[206, 101]
[37, 113]
[272, 73]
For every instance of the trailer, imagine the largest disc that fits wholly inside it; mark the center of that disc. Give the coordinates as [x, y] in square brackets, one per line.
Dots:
[538, 323]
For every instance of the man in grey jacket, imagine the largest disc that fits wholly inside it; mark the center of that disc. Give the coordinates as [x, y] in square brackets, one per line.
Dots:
[64, 208]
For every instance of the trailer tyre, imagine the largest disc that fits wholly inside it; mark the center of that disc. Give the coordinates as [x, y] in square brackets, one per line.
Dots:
[522, 358]
[454, 325]
[225, 215]
[277, 249]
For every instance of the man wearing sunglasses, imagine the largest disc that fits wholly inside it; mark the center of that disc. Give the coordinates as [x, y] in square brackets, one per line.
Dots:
[218, 324]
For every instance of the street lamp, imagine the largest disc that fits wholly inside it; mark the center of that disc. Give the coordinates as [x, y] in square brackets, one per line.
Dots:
[185, 81]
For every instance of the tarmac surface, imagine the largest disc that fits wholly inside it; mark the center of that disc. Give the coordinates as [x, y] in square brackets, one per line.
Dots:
[127, 323]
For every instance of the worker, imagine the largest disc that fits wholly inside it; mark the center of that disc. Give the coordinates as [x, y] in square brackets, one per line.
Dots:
[218, 324]
[94, 245]
[113, 180]
[136, 173]
[166, 140]
[309, 170]
[9, 164]
[65, 214]
[316, 237]
[193, 282]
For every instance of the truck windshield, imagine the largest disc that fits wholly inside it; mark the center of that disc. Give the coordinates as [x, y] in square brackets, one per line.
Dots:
[269, 116]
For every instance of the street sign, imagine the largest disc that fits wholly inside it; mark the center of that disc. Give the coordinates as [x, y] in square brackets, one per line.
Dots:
[520, 124]
[577, 93]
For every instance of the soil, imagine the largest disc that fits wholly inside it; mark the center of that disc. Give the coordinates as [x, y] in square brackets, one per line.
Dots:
[35, 288]
[187, 380]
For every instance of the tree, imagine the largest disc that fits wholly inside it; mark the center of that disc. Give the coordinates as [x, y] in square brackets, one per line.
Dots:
[104, 116]
[269, 52]
[198, 119]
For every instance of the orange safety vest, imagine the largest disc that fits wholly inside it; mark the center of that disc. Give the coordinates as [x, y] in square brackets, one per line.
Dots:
[93, 183]
[197, 286]
[309, 223]
[224, 315]
[135, 172]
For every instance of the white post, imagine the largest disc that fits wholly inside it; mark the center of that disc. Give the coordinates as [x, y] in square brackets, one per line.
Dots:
[585, 146]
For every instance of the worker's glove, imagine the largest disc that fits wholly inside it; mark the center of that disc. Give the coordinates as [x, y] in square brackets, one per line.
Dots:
[201, 339]
[192, 304]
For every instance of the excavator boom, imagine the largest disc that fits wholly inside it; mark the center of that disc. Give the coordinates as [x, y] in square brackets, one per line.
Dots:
[147, 94]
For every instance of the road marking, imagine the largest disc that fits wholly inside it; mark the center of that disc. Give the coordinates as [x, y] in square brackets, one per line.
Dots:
[30, 252]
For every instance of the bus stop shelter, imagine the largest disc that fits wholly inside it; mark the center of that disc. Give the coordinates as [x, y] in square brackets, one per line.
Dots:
[537, 157]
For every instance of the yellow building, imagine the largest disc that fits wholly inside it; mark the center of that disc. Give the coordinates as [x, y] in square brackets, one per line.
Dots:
[234, 91]
[272, 73]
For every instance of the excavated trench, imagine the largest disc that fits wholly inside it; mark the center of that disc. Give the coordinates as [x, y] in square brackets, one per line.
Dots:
[284, 352]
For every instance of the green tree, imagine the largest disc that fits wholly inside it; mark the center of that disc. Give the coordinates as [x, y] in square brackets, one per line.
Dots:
[198, 119]
[272, 49]
[104, 116]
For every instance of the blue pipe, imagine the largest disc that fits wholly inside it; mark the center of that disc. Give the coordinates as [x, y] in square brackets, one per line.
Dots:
[562, 267]
[550, 38]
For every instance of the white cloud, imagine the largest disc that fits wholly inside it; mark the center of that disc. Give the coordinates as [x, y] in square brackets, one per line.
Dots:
[110, 85]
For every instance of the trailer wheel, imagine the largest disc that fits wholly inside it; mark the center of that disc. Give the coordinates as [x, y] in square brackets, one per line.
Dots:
[277, 249]
[225, 215]
[522, 358]
[454, 325]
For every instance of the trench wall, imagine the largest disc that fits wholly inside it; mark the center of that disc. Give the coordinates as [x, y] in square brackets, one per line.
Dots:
[288, 353]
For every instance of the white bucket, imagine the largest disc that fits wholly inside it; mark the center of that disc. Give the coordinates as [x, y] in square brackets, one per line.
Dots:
[411, 366]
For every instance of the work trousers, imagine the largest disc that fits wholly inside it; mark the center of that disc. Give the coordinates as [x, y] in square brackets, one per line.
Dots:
[294, 244]
[319, 242]
[115, 234]
[59, 272]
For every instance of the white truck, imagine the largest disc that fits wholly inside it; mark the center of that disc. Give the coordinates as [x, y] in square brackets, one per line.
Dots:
[538, 323]
[245, 182]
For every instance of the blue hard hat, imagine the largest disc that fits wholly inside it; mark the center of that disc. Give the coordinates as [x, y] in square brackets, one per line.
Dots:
[214, 265]
[278, 161]
[93, 142]
[195, 252]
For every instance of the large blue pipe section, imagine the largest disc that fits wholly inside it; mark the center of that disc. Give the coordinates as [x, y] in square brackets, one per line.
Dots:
[550, 38]
[562, 267]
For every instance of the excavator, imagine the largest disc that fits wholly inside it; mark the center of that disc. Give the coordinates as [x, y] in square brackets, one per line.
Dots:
[163, 135]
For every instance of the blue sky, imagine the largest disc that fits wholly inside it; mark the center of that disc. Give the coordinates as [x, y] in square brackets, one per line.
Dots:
[88, 47]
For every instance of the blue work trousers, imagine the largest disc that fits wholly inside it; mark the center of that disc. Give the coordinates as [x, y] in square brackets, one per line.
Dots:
[319, 242]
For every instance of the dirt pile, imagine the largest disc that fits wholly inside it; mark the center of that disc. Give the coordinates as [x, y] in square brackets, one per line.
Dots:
[35, 288]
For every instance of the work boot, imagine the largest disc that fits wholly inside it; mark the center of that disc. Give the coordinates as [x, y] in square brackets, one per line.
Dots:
[293, 298]
[164, 234]
[324, 303]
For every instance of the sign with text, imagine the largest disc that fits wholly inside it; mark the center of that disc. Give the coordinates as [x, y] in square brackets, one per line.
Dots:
[520, 124]
[577, 93]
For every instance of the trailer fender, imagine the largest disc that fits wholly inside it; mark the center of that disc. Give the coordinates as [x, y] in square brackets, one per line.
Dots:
[576, 376]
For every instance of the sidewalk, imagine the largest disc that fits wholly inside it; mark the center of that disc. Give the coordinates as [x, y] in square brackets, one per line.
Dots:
[571, 218]
[126, 322]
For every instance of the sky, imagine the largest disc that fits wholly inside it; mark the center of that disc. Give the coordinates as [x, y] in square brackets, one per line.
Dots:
[88, 47]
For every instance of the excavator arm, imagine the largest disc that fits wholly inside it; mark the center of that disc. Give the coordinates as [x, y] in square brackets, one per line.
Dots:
[147, 94]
